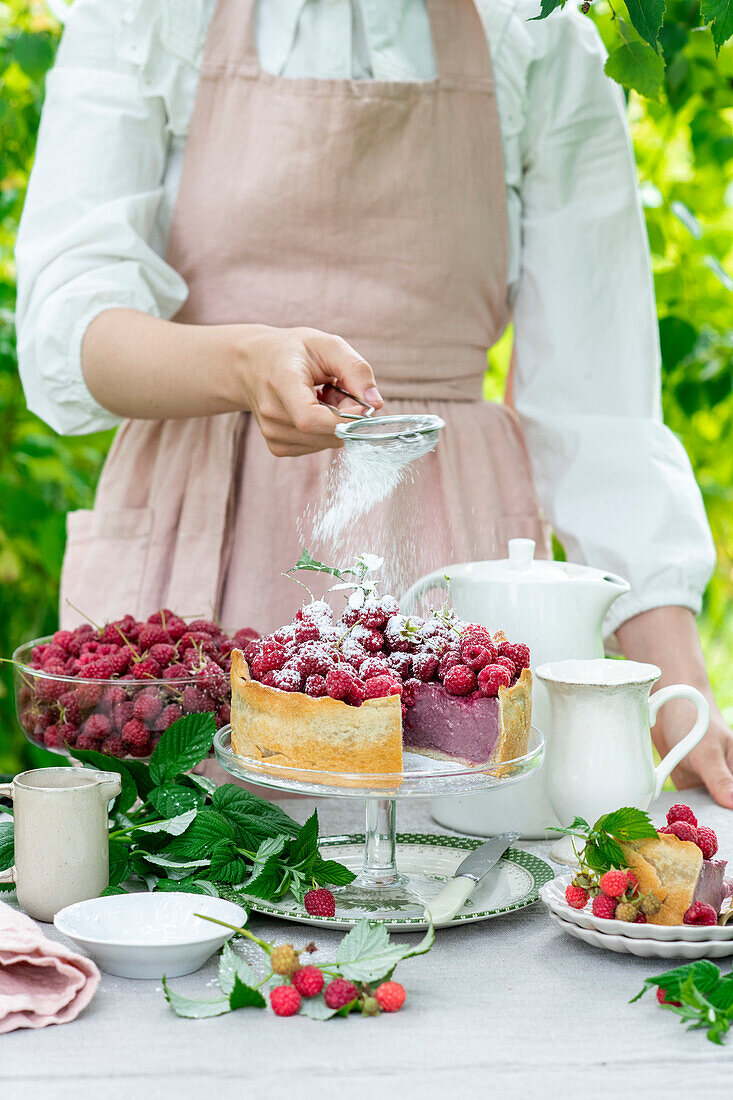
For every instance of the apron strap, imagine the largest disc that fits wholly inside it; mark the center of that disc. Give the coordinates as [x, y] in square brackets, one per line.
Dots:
[460, 44]
[459, 39]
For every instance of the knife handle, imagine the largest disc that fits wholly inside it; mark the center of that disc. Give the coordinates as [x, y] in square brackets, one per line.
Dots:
[444, 907]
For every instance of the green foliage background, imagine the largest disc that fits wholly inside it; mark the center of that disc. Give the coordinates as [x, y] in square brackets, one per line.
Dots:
[684, 147]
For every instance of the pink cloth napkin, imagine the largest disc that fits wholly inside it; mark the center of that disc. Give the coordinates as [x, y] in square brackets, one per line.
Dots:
[41, 982]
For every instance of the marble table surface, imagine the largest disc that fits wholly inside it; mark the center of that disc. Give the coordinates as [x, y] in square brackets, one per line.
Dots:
[511, 1007]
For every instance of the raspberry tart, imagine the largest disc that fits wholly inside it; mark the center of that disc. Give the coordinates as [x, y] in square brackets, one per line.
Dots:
[350, 694]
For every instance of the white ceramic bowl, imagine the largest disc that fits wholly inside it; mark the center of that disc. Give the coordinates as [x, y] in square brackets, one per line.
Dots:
[648, 948]
[148, 935]
[553, 895]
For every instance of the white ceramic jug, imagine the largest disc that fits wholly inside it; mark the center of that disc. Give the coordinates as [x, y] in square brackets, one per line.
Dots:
[599, 746]
[557, 609]
[61, 837]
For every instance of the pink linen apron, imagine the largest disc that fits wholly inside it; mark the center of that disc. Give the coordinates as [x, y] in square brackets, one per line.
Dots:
[374, 210]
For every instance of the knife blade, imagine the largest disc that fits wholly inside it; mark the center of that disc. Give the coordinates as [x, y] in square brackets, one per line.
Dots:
[467, 876]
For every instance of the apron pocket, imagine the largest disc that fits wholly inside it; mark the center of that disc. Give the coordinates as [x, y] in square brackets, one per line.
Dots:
[104, 564]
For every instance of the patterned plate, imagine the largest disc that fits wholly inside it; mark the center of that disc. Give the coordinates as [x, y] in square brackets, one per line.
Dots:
[514, 884]
[646, 949]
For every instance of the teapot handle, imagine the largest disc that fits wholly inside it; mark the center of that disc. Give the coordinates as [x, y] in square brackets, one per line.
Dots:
[438, 579]
[696, 734]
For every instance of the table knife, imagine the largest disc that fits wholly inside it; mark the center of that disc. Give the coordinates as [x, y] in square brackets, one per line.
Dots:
[467, 876]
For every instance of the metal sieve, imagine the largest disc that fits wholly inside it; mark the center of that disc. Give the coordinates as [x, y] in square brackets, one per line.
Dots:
[420, 428]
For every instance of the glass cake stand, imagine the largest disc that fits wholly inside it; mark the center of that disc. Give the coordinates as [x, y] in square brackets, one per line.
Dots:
[380, 888]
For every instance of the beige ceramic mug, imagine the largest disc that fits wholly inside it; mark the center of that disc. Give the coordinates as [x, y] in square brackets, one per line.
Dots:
[61, 837]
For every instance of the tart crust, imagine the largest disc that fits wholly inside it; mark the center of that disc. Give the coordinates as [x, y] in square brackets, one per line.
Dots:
[292, 730]
[669, 867]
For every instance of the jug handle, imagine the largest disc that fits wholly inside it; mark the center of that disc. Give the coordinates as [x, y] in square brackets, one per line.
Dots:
[8, 875]
[438, 579]
[696, 734]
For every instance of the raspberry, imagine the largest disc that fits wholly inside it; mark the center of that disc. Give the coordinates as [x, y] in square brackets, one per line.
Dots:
[518, 653]
[52, 738]
[350, 617]
[640, 918]
[88, 695]
[136, 737]
[70, 705]
[700, 913]
[476, 633]
[707, 842]
[147, 669]
[147, 706]
[614, 883]
[121, 714]
[315, 686]
[176, 672]
[66, 641]
[662, 998]
[205, 626]
[680, 812]
[122, 658]
[306, 631]
[576, 896]
[650, 904]
[493, 677]
[356, 696]
[340, 992]
[97, 727]
[683, 831]
[161, 617]
[284, 960]
[272, 656]
[287, 679]
[378, 687]
[316, 610]
[101, 669]
[373, 666]
[395, 634]
[163, 653]
[390, 996]
[313, 659]
[320, 902]
[460, 680]
[151, 635]
[212, 680]
[477, 656]
[371, 640]
[374, 615]
[424, 666]
[308, 981]
[369, 1006]
[354, 653]
[603, 906]
[113, 746]
[400, 663]
[176, 628]
[508, 664]
[285, 1000]
[86, 743]
[340, 683]
[223, 715]
[626, 911]
[244, 636]
[196, 702]
[633, 882]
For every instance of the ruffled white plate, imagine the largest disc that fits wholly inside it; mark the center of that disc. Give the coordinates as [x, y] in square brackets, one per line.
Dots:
[553, 895]
[648, 948]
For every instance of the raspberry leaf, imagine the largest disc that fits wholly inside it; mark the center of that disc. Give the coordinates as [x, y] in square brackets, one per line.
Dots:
[181, 746]
[174, 826]
[207, 829]
[175, 868]
[244, 996]
[271, 881]
[304, 847]
[327, 872]
[192, 1008]
[231, 967]
[227, 864]
[627, 823]
[174, 799]
[188, 885]
[254, 817]
[317, 1009]
[366, 953]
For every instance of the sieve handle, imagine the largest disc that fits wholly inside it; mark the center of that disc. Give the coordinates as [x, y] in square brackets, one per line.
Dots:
[350, 416]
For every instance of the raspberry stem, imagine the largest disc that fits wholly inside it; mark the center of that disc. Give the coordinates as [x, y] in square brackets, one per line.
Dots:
[267, 947]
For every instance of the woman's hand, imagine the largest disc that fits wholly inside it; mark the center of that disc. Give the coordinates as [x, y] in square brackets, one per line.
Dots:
[145, 368]
[284, 372]
[667, 637]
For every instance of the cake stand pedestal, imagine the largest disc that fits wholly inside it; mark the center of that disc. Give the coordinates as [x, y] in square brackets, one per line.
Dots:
[380, 888]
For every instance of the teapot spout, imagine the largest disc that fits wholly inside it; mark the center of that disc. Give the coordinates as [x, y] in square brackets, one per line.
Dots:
[609, 588]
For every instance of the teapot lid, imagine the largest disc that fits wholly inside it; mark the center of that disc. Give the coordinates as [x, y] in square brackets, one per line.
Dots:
[521, 567]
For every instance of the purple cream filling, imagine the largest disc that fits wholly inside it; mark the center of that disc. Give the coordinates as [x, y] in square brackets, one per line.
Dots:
[467, 729]
[710, 886]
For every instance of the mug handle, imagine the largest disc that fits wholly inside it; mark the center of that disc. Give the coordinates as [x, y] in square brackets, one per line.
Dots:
[696, 734]
[437, 579]
[8, 875]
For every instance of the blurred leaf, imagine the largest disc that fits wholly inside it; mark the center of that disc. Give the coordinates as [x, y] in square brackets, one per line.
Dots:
[635, 64]
[646, 17]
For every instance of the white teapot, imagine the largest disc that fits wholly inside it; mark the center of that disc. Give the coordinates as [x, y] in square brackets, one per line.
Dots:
[557, 609]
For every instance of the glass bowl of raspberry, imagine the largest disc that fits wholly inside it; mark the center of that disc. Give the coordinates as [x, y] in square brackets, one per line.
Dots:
[116, 688]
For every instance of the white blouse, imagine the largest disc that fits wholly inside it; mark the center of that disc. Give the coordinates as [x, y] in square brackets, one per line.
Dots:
[614, 482]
